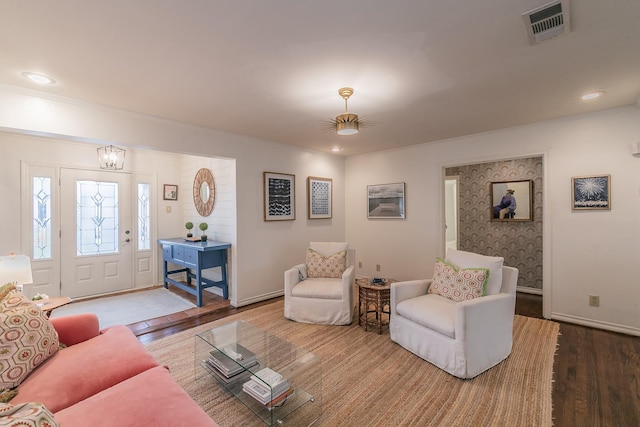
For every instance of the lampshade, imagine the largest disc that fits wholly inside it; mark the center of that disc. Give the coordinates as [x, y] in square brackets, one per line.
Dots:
[347, 124]
[111, 157]
[17, 269]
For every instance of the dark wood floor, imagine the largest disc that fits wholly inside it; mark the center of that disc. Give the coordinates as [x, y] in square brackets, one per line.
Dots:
[596, 373]
[213, 308]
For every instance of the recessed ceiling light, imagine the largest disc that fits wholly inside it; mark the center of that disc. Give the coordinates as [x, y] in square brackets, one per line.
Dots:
[336, 149]
[40, 79]
[592, 95]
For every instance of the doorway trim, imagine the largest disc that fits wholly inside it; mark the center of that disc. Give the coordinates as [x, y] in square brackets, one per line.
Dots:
[547, 264]
[450, 181]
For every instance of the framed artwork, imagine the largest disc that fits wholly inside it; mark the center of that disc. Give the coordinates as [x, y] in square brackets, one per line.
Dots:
[591, 192]
[170, 192]
[512, 201]
[319, 197]
[386, 201]
[279, 196]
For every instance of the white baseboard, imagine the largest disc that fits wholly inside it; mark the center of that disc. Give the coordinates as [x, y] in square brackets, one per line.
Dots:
[526, 290]
[257, 298]
[595, 324]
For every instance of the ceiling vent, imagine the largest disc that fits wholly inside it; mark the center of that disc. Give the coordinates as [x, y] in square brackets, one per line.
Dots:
[547, 21]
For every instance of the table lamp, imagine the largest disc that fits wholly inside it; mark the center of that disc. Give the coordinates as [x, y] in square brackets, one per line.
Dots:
[16, 269]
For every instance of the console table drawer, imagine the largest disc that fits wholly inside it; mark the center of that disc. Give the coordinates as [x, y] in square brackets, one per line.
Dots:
[180, 255]
[167, 252]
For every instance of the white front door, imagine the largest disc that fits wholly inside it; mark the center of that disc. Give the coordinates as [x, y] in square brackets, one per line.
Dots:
[96, 237]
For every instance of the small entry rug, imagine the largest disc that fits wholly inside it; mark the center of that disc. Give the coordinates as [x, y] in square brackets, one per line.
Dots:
[128, 308]
[368, 380]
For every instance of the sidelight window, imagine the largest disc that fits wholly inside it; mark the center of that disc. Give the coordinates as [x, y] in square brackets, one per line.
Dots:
[41, 191]
[144, 217]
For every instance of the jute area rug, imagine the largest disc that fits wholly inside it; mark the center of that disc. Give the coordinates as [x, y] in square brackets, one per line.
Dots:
[368, 380]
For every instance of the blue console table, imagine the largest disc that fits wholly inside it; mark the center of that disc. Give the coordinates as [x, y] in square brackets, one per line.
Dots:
[195, 257]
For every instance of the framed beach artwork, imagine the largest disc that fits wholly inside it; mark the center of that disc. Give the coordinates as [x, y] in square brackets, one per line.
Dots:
[591, 192]
[279, 196]
[512, 201]
[319, 197]
[386, 201]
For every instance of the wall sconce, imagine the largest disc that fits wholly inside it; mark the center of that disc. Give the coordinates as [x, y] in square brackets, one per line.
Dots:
[635, 149]
[111, 157]
[16, 269]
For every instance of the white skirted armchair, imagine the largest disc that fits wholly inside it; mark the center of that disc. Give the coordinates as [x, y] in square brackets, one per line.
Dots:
[460, 321]
[321, 290]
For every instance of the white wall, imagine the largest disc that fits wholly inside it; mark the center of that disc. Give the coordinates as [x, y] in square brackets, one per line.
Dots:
[586, 252]
[264, 250]
[222, 220]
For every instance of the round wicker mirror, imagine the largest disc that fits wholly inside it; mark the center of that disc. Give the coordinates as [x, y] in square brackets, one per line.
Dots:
[204, 192]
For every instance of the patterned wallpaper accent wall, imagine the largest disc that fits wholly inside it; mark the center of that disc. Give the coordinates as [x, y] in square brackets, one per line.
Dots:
[520, 243]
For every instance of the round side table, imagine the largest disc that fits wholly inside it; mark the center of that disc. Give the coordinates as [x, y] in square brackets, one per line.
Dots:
[373, 299]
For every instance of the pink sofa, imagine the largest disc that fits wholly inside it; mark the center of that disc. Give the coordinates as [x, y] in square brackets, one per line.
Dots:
[107, 378]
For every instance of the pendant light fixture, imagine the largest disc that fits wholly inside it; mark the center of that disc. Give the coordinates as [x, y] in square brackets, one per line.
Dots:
[111, 157]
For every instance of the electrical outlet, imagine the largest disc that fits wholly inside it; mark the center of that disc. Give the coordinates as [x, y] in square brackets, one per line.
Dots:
[377, 267]
[359, 264]
[594, 300]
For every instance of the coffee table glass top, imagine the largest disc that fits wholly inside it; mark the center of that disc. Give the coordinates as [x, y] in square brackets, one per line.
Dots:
[233, 354]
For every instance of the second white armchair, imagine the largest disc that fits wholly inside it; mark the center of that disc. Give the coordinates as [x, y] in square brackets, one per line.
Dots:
[461, 334]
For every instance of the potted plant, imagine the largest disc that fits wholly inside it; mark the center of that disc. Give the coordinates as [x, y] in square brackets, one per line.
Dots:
[189, 226]
[203, 227]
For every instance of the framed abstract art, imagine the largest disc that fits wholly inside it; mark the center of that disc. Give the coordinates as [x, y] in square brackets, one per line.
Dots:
[591, 192]
[319, 197]
[279, 196]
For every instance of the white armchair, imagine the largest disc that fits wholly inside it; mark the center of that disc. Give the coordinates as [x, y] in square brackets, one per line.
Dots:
[462, 338]
[320, 299]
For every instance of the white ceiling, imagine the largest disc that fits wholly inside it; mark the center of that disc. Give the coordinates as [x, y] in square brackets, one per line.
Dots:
[422, 70]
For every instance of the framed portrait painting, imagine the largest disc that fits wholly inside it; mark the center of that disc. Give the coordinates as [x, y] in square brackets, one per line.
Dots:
[386, 201]
[319, 197]
[170, 192]
[591, 192]
[279, 196]
[512, 201]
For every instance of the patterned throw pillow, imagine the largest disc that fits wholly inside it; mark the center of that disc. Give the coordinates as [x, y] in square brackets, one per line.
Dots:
[332, 266]
[26, 415]
[5, 289]
[27, 338]
[458, 285]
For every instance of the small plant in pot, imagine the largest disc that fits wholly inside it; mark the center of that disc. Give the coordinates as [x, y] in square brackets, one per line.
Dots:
[203, 227]
[189, 226]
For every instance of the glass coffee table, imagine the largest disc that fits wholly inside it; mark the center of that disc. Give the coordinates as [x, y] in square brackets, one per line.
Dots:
[235, 356]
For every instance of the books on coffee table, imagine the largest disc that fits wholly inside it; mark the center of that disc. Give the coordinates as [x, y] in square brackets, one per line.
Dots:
[232, 360]
[267, 387]
[213, 370]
